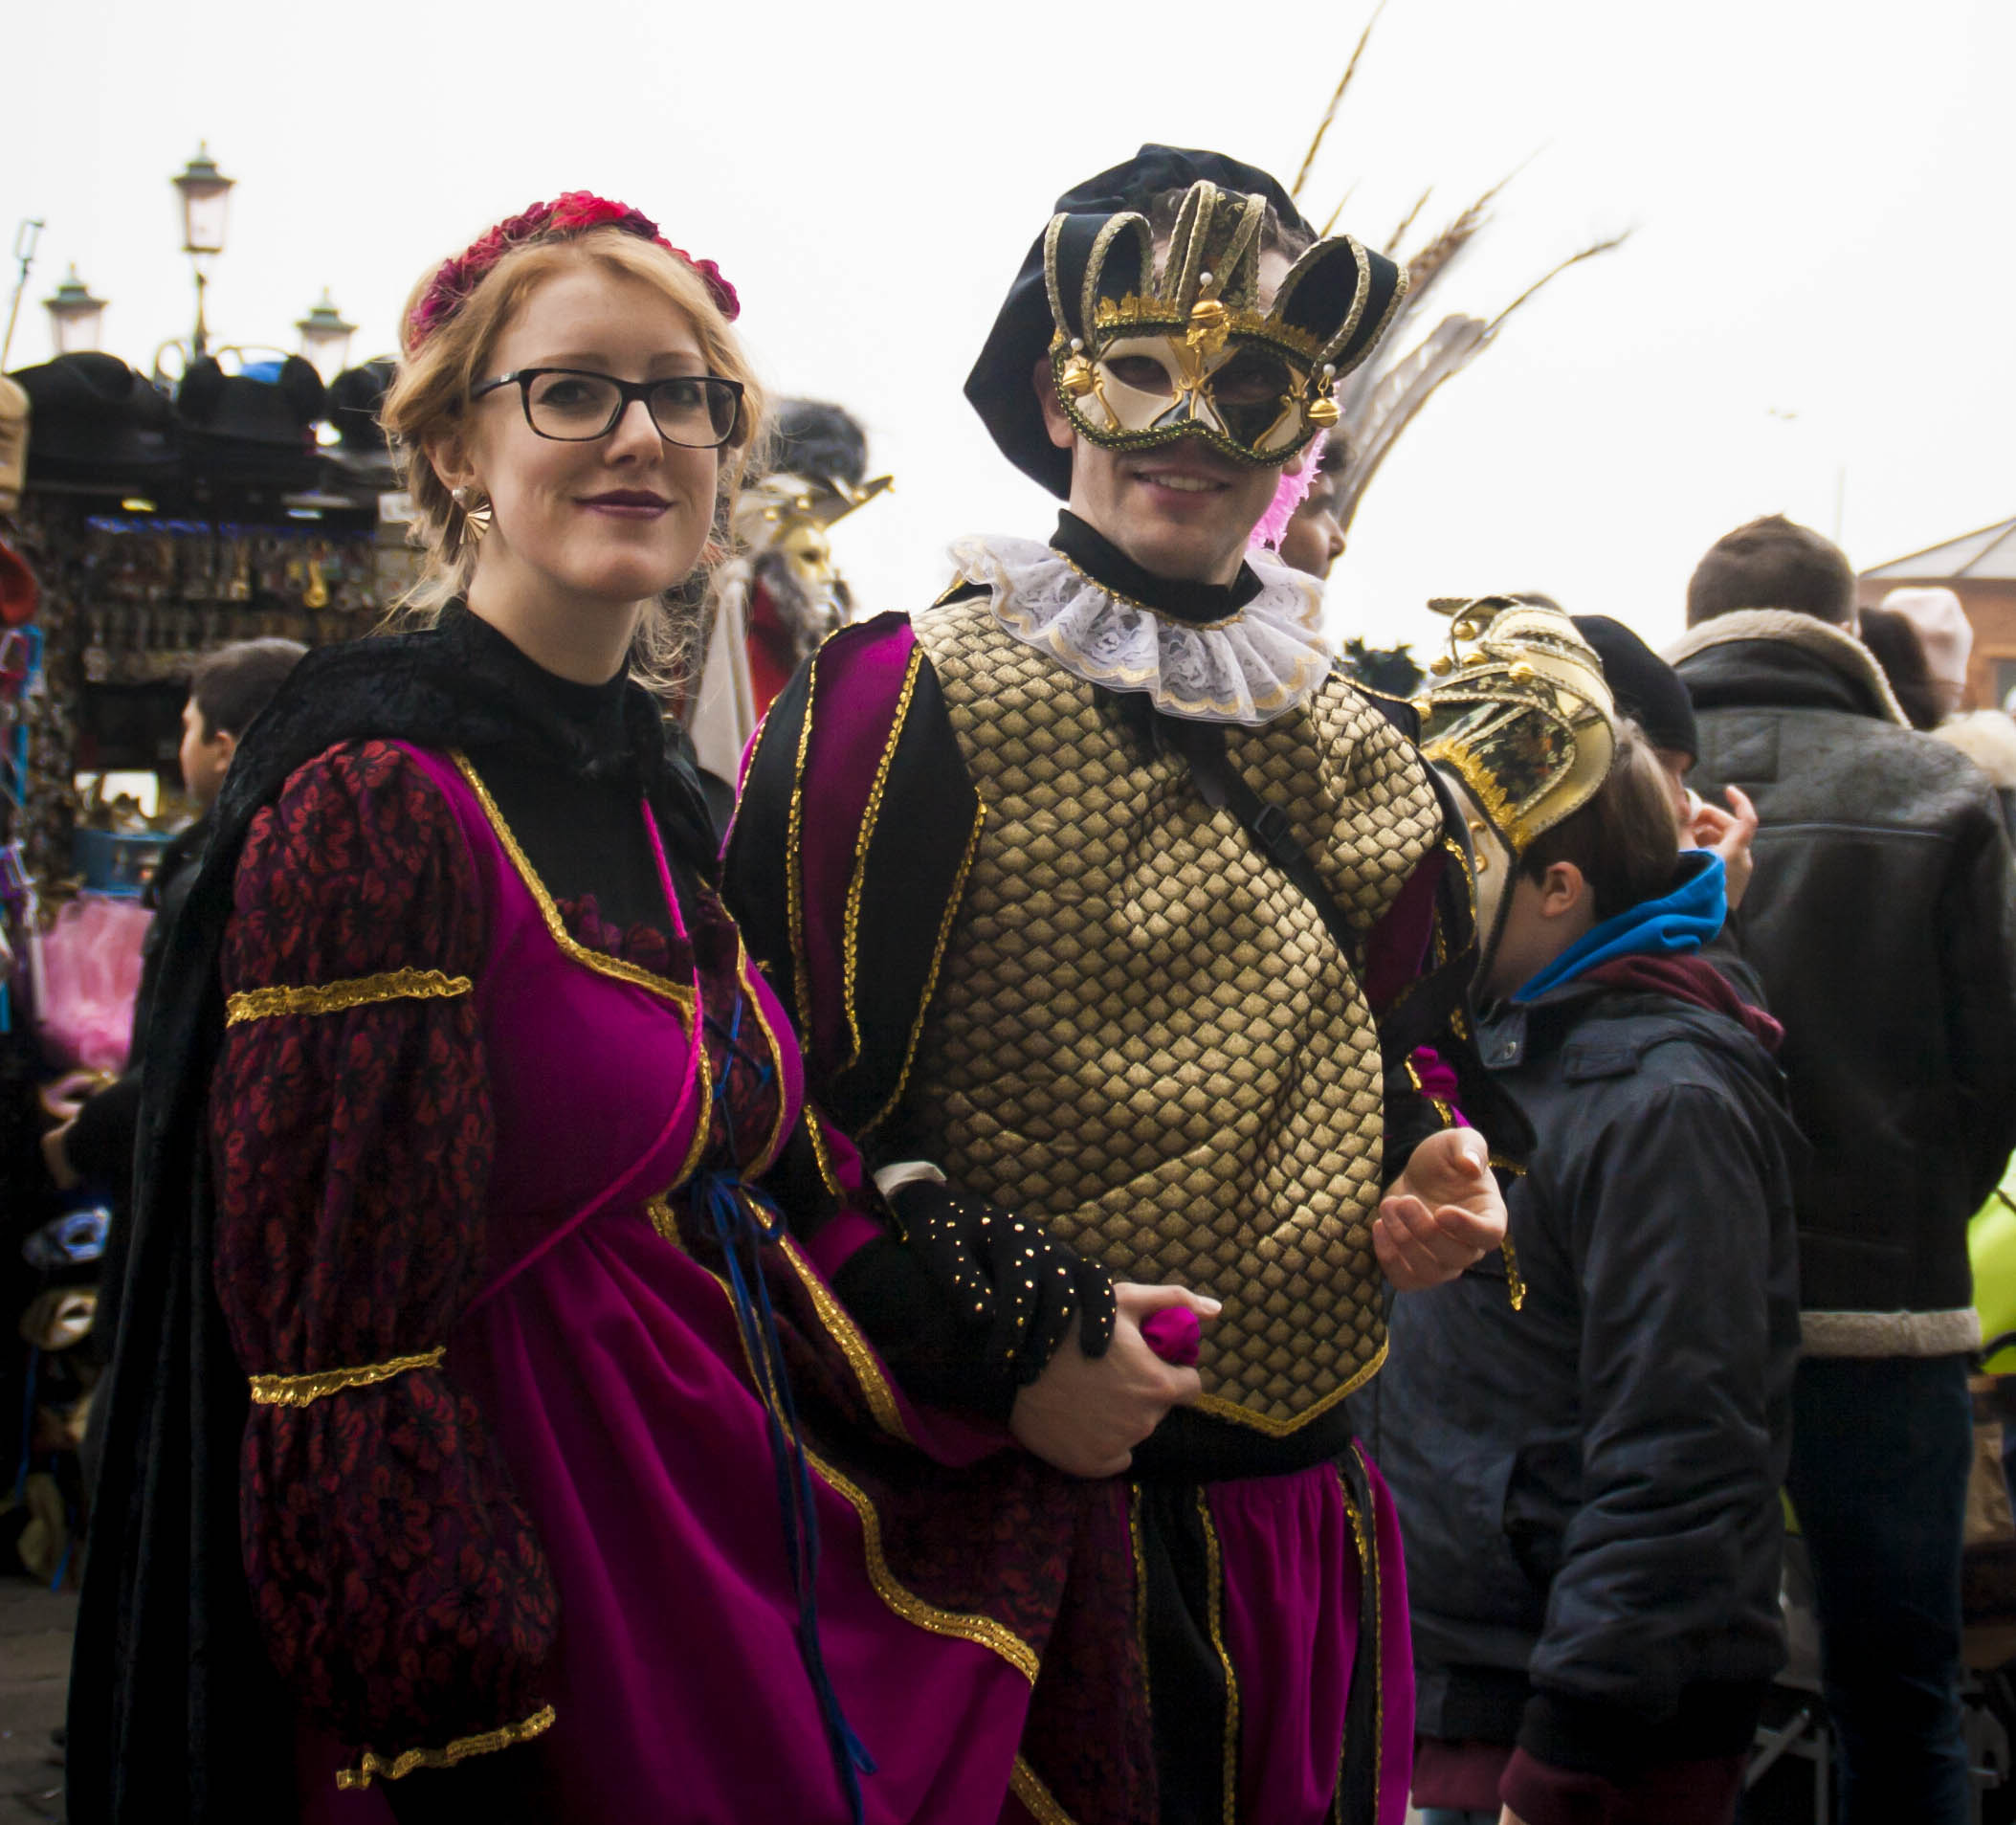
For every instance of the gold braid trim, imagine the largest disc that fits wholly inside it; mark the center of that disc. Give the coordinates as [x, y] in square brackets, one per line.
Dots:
[1141, 1584]
[1219, 1408]
[963, 1626]
[305, 1391]
[860, 1356]
[953, 902]
[1214, 1616]
[795, 862]
[850, 922]
[338, 997]
[504, 1737]
[636, 975]
[1037, 1800]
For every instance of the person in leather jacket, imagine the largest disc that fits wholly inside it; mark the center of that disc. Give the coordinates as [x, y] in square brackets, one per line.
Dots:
[1882, 922]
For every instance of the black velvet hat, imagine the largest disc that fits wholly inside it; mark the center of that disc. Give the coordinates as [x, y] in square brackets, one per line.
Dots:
[1647, 689]
[97, 421]
[1000, 386]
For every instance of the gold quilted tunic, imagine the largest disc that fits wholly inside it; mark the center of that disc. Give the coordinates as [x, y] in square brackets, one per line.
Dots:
[1143, 1034]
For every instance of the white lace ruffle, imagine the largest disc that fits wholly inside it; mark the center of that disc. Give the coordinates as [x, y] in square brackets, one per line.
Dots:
[1249, 669]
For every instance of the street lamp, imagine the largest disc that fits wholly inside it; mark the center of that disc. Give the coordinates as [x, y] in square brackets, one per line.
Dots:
[325, 338]
[75, 315]
[206, 195]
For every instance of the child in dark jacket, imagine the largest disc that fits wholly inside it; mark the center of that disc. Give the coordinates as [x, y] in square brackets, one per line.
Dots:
[1587, 1466]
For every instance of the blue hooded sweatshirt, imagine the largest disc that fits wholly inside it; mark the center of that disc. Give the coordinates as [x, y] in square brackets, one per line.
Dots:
[1680, 921]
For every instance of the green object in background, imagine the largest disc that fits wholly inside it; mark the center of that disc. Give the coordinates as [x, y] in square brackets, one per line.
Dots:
[1991, 1246]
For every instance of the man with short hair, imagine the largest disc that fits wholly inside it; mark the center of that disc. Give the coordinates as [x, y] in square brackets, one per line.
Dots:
[1113, 915]
[94, 1146]
[1882, 921]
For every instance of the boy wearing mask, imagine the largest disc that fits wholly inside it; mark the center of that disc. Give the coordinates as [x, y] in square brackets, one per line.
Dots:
[1587, 1464]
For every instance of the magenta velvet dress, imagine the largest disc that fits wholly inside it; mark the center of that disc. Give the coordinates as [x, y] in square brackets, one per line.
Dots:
[595, 1362]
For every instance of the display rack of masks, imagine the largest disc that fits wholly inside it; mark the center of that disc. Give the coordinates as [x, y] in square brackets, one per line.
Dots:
[162, 592]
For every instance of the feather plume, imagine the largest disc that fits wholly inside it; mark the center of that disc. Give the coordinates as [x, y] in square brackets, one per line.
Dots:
[1336, 101]
[1406, 221]
[1395, 393]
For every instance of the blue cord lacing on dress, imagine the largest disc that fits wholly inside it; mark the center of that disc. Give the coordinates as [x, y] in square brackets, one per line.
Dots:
[743, 1219]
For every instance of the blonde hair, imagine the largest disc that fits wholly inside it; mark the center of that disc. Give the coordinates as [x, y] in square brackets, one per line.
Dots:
[430, 397]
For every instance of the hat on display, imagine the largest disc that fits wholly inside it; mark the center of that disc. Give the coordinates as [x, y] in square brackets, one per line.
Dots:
[1144, 350]
[1646, 688]
[96, 421]
[356, 396]
[253, 426]
[1524, 725]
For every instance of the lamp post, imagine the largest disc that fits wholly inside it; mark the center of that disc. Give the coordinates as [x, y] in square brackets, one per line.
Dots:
[206, 195]
[75, 315]
[325, 337]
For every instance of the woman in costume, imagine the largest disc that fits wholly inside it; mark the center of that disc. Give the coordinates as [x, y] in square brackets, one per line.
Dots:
[483, 1439]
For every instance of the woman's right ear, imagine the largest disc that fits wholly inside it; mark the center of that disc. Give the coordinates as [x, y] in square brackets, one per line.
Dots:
[450, 463]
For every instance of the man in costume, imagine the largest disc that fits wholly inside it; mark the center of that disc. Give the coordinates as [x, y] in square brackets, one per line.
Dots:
[1111, 911]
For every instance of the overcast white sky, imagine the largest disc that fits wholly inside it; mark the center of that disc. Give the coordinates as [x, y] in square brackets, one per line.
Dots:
[1815, 304]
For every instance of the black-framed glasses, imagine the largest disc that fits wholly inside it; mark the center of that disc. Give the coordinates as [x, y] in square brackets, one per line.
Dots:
[576, 406]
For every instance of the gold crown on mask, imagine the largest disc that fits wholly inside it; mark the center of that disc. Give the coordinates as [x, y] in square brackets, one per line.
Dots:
[1524, 718]
[1254, 384]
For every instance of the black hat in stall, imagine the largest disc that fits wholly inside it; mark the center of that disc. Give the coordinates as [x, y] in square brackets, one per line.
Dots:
[255, 427]
[96, 421]
[1342, 298]
[1647, 689]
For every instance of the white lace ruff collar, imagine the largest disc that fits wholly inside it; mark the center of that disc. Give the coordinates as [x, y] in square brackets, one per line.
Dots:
[1249, 668]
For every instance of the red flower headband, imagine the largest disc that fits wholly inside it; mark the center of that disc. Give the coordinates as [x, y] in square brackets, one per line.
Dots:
[574, 214]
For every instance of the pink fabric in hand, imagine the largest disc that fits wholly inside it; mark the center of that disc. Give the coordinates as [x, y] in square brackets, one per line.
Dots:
[1174, 1334]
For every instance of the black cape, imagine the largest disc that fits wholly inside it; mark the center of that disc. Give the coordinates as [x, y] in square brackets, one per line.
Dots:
[175, 1713]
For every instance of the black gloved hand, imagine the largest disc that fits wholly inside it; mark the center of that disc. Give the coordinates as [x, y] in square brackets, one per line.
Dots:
[1005, 1272]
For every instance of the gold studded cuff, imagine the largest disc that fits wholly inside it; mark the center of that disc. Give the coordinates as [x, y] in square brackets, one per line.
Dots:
[374, 1767]
[303, 1391]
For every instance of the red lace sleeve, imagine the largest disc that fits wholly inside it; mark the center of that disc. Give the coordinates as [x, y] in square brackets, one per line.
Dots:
[399, 1583]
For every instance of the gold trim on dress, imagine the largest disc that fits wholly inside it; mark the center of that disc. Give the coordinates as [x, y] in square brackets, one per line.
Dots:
[850, 922]
[305, 1391]
[821, 1148]
[859, 1354]
[506, 1736]
[339, 997]
[636, 975]
[1037, 1800]
[937, 957]
[1214, 1575]
[773, 1146]
[980, 1630]
[795, 862]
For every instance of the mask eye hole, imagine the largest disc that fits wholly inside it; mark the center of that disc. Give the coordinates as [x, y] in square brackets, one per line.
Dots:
[1142, 374]
[1251, 378]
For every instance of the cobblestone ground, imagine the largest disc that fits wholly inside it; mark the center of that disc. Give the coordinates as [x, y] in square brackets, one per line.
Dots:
[34, 1670]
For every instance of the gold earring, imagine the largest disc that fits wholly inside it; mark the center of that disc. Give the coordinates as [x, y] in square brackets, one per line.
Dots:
[475, 515]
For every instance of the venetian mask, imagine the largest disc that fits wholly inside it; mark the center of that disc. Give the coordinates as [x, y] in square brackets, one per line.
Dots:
[1523, 727]
[1143, 354]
